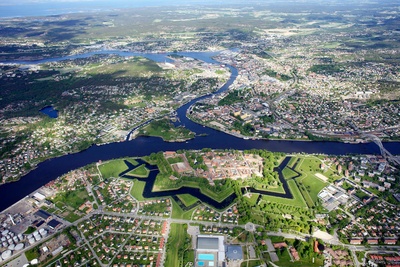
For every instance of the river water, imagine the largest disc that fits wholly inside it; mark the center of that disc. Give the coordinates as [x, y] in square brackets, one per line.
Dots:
[141, 146]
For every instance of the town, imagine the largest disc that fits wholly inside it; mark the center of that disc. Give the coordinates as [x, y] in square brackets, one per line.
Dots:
[197, 124]
[98, 214]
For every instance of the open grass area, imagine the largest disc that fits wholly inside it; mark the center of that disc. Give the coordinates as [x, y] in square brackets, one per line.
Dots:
[288, 173]
[252, 200]
[30, 230]
[297, 200]
[276, 189]
[135, 67]
[178, 213]
[175, 160]
[188, 256]
[275, 239]
[250, 263]
[167, 131]
[176, 241]
[141, 172]
[258, 216]
[313, 186]
[114, 167]
[187, 199]
[72, 217]
[33, 253]
[217, 196]
[360, 194]
[292, 161]
[309, 165]
[308, 184]
[285, 261]
[360, 255]
[137, 189]
[73, 199]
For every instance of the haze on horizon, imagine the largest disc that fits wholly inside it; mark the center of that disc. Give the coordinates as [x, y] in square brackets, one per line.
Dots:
[186, 2]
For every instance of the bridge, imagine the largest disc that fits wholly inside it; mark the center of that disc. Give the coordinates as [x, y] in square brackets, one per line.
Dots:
[384, 152]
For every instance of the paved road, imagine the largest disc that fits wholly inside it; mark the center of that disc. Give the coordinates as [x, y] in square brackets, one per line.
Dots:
[301, 236]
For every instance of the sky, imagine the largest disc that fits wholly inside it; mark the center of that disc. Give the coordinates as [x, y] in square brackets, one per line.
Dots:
[25, 8]
[165, 2]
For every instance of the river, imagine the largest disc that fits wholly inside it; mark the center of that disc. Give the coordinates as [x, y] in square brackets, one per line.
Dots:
[141, 146]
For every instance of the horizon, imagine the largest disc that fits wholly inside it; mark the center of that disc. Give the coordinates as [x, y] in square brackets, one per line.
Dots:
[32, 8]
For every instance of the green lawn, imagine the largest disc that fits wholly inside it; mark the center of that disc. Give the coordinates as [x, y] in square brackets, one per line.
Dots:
[288, 173]
[178, 213]
[160, 185]
[313, 186]
[114, 167]
[71, 217]
[276, 239]
[188, 256]
[360, 255]
[292, 161]
[134, 67]
[174, 160]
[217, 196]
[297, 200]
[33, 253]
[253, 199]
[137, 189]
[250, 263]
[30, 230]
[300, 263]
[360, 194]
[285, 260]
[309, 165]
[73, 199]
[166, 130]
[187, 199]
[258, 216]
[176, 241]
[141, 172]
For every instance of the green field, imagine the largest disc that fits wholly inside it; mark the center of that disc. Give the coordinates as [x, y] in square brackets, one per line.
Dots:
[114, 167]
[161, 185]
[252, 199]
[297, 200]
[176, 242]
[292, 161]
[135, 67]
[71, 217]
[187, 199]
[33, 253]
[30, 230]
[285, 261]
[71, 198]
[276, 189]
[288, 173]
[178, 213]
[308, 184]
[313, 186]
[141, 172]
[216, 196]
[250, 263]
[174, 160]
[309, 165]
[137, 190]
[167, 131]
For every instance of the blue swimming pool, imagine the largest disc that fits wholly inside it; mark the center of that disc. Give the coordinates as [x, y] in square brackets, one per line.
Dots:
[200, 263]
[206, 257]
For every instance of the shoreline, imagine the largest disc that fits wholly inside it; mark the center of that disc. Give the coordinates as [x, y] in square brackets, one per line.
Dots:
[182, 141]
